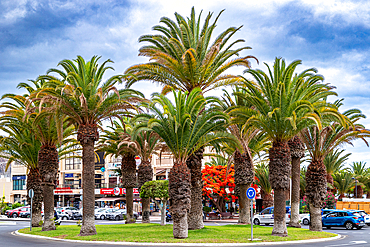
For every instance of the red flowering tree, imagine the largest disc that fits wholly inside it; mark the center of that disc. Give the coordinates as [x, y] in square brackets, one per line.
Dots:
[215, 183]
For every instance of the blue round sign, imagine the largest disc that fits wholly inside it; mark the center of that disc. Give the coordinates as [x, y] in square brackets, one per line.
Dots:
[102, 169]
[251, 193]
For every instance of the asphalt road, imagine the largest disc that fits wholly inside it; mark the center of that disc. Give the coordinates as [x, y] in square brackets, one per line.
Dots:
[357, 238]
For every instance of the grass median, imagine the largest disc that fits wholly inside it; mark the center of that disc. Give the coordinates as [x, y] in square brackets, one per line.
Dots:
[163, 234]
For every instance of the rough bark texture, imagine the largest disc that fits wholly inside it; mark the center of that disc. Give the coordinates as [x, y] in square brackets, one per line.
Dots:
[316, 190]
[244, 176]
[49, 164]
[34, 182]
[195, 216]
[297, 152]
[316, 221]
[329, 178]
[359, 191]
[267, 199]
[179, 193]
[87, 135]
[280, 168]
[128, 169]
[130, 206]
[163, 213]
[145, 174]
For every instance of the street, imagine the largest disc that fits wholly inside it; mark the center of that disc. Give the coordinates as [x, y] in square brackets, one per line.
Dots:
[350, 237]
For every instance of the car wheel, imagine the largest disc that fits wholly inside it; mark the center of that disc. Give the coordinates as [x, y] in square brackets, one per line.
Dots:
[102, 217]
[64, 218]
[117, 217]
[256, 221]
[306, 222]
[359, 227]
[349, 225]
[14, 215]
[368, 224]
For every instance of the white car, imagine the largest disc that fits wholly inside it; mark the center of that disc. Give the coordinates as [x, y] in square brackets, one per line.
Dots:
[367, 219]
[266, 216]
[68, 210]
[101, 214]
[63, 215]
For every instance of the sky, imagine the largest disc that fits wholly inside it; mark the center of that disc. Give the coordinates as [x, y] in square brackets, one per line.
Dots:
[332, 36]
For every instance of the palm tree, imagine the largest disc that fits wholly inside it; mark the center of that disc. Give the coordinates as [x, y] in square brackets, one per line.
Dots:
[21, 145]
[343, 182]
[185, 127]
[262, 175]
[297, 150]
[302, 184]
[184, 58]
[78, 92]
[118, 141]
[284, 104]
[321, 142]
[361, 174]
[334, 162]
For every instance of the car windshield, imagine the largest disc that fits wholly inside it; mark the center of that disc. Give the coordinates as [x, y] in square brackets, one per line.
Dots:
[357, 214]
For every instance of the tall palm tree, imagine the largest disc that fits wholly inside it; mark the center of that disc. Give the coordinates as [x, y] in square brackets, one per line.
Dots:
[361, 174]
[284, 104]
[321, 142]
[78, 91]
[262, 175]
[185, 127]
[21, 145]
[183, 57]
[52, 138]
[302, 184]
[334, 162]
[118, 141]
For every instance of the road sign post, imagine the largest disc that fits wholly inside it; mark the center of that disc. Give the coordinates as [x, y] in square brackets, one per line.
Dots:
[251, 194]
[31, 193]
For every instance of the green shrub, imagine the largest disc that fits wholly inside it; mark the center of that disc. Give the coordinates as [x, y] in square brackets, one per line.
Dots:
[207, 209]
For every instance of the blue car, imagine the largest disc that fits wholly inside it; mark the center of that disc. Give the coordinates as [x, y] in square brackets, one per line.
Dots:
[307, 218]
[343, 218]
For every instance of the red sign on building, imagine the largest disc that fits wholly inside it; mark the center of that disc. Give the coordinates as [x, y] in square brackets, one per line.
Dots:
[64, 190]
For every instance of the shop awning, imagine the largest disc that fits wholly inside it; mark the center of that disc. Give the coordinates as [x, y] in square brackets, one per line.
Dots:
[110, 199]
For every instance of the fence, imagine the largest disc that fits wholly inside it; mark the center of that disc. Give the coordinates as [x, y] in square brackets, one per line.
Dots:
[354, 205]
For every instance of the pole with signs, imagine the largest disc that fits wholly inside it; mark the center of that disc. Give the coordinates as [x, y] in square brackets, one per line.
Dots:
[31, 194]
[251, 194]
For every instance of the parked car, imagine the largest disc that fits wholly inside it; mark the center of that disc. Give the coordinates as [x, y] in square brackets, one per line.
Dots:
[63, 215]
[343, 218]
[25, 214]
[363, 214]
[119, 214]
[68, 210]
[14, 213]
[101, 213]
[306, 219]
[267, 216]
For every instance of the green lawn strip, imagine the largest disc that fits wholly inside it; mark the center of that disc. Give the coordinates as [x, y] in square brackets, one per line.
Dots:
[163, 234]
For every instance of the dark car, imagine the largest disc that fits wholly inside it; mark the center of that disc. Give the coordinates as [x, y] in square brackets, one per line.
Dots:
[343, 218]
[14, 213]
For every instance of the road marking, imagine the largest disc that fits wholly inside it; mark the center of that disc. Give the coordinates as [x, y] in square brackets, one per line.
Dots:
[5, 223]
[349, 244]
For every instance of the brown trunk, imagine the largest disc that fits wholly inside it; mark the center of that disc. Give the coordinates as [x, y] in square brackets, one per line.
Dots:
[297, 152]
[179, 193]
[279, 173]
[360, 191]
[49, 164]
[219, 202]
[87, 135]
[244, 176]
[130, 206]
[195, 216]
[368, 194]
[145, 174]
[34, 182]
[128, 169]
[267, 200]
[329, 178]
[316, 190]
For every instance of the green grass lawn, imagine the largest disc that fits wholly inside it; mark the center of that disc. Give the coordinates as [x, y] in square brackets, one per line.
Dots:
[163, 234]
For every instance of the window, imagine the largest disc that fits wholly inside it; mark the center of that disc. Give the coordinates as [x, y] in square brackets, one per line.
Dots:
[72, 162]
[265, 211]
[19, 182]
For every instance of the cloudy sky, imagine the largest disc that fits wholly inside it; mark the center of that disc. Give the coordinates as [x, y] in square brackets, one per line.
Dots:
[332, 36]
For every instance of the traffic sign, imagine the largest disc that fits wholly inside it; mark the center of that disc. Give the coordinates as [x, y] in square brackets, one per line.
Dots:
[137, 160]
[251, 193]
[31, 193]
[116, 191]
[102, 169]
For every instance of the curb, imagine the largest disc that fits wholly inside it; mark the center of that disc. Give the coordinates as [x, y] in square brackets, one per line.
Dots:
[181, 244]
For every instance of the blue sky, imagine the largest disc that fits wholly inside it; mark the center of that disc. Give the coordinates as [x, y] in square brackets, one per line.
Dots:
[332, 36]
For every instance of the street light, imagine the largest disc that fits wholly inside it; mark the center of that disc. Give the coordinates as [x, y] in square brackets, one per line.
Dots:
[355, 186]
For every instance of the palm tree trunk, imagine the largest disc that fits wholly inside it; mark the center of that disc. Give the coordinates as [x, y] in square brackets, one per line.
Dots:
[267, 200]
[163, 212]
[279, 173]
[297, 152]
[179, 193]
[128, 169]
[87, 135]
[145, 174]
[244, 176]
[316, 191]
[195, 216]
[34, 182]
[49, 164]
